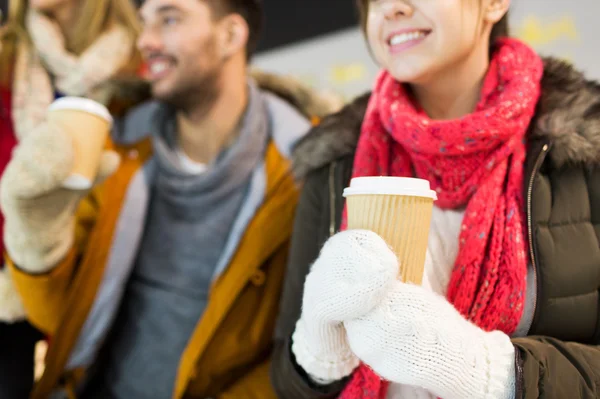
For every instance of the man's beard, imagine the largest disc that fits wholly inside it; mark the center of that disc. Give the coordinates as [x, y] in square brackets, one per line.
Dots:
[198, 93]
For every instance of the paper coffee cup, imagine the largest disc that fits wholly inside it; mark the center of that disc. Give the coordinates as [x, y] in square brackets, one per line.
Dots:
[399, 210]
[88, 123]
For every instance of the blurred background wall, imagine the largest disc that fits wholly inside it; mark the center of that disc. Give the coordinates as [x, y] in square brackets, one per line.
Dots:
[3, 7]
[321, 44]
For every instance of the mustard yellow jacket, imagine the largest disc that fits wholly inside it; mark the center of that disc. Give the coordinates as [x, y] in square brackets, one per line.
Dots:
[228, 353]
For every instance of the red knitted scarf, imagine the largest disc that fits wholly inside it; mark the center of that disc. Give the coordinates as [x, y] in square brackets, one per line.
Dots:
[476, 162]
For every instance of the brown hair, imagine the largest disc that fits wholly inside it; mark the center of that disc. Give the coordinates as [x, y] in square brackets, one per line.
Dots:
[94, 17]
[250, 10]
[499, 30]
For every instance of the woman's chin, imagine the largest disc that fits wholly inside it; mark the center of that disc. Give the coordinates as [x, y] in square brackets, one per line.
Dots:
[407, 72]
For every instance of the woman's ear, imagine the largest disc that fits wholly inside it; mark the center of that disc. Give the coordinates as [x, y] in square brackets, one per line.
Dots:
[495, 9]
[233, 35]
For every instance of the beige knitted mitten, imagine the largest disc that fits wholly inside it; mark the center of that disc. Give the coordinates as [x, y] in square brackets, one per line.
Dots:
[39, 213]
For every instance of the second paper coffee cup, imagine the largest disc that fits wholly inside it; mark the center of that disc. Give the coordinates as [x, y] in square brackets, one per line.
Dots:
[399, 210]
[88, 123]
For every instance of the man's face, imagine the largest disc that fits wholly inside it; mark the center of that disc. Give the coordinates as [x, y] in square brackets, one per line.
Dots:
[179, 45]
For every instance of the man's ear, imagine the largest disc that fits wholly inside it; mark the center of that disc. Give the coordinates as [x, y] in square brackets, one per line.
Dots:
[495, 10]
[233, 35]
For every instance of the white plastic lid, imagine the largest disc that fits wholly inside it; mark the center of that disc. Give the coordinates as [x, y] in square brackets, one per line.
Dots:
[386, 185]
[77, 182]
[82, 104]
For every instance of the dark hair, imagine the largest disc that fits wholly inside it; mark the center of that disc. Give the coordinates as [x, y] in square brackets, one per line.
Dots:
[250, 10]
[500, 29]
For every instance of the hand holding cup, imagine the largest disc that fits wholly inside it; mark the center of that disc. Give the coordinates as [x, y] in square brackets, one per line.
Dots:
[399, 210]
[39, 198]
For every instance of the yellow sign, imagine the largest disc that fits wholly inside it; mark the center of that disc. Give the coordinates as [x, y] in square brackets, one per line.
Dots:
[538, 33]
[342, 74]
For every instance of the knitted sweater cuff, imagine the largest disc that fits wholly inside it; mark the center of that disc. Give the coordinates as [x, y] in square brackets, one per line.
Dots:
[501, 376]
[11, 307]
[323, 366]
[34, 261]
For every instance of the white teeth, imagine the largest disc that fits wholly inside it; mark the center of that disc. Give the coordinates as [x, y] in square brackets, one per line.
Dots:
[158, 67]
[405, 37]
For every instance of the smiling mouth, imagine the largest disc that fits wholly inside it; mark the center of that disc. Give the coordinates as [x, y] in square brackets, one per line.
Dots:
[158, 67]
[158, 70]
[404, 40]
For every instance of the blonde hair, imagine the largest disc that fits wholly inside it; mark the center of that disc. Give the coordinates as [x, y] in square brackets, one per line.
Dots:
[94, 18]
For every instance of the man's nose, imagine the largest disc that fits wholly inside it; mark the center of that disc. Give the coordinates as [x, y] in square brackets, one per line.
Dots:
[149, 41]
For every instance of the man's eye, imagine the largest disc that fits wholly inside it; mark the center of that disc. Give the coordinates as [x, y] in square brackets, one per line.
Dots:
[170, 20]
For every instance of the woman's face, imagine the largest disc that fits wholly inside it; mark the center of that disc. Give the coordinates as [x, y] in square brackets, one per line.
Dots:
[416, 39]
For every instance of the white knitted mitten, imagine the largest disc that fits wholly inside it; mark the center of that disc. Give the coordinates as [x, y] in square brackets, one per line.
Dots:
[415, 337]
[351, 276]
[39, 213]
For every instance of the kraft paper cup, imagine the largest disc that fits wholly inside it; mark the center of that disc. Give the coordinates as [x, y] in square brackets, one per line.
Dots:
[88, 123]
[399, 210]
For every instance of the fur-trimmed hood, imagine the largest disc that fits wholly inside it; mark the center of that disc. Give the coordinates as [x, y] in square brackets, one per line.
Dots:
[313, 105]
[310, 102]
[568, 116]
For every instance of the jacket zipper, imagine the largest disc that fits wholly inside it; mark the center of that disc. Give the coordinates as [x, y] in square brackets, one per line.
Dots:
[538, 164]
[332, 198]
